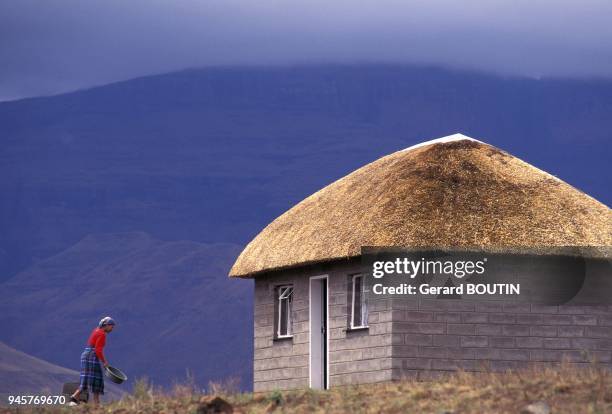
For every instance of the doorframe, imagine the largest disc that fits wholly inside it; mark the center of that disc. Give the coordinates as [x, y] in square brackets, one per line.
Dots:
[326, 277]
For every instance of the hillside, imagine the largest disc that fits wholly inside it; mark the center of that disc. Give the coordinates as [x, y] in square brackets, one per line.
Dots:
[21, 373]
[213, 155]
[175, 307]
[536, 391]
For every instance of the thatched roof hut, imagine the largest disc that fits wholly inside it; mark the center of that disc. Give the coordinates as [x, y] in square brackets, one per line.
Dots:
[453, 192]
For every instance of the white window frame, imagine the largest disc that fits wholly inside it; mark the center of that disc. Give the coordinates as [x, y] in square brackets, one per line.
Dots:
[363, 302]
[285, 292]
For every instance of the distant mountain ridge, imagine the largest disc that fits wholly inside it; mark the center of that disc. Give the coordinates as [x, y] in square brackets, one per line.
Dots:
[213, 155]
[176, 310]
[133, 199]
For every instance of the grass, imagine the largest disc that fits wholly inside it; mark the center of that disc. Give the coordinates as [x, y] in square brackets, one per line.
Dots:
[565, 389]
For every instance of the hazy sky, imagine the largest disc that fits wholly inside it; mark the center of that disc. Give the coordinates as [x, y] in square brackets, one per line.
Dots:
[49, 46]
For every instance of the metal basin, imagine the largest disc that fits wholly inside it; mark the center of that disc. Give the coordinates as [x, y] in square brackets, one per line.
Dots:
[115, 375]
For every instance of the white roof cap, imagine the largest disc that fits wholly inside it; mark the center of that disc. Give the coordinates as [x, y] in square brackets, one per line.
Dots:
[449, 138]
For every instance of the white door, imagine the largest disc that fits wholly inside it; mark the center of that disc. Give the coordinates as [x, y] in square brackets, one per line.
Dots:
[319, 358]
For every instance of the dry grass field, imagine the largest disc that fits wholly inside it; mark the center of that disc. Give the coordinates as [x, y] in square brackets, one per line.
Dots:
[555, 390]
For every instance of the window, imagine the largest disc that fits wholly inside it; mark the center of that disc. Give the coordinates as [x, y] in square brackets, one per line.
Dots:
[359, 304]
[284, 325]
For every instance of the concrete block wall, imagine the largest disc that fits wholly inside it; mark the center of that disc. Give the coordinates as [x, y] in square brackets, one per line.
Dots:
[359, 356]
[433, 336]
[280, 364]
[419, 337]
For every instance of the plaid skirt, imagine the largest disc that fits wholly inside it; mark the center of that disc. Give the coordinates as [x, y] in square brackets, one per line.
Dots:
[91, 372]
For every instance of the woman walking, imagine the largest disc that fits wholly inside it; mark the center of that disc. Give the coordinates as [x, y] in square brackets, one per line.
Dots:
[91, 358]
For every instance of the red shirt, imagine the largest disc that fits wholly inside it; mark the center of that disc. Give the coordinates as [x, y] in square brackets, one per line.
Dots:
[97, 340]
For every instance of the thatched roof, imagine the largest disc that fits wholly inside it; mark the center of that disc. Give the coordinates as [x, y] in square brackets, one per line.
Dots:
[454, 192]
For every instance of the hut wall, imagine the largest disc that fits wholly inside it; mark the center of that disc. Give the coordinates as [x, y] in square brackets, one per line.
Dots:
[438, 336]
[421, 337]
[433, 336]
[359, 356]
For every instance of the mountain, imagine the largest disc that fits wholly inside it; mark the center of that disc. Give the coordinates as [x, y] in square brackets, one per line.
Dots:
[133, 199]
[23, 374]
[175, 308]
[212, 155]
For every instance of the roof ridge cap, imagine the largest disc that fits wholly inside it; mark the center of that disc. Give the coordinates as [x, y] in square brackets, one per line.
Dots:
[448, 138]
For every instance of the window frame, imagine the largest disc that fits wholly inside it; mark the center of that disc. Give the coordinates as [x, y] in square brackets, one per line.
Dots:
[286, 295]
[363, 299]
